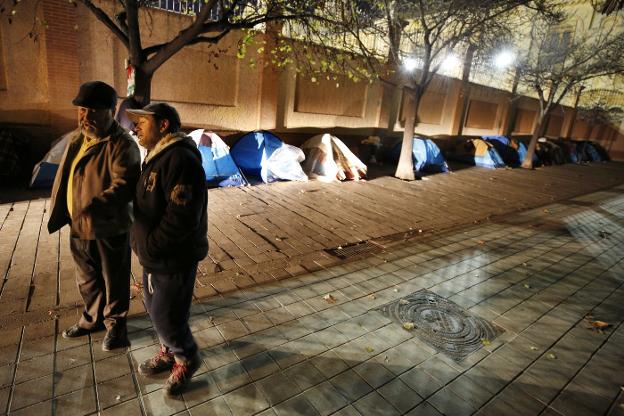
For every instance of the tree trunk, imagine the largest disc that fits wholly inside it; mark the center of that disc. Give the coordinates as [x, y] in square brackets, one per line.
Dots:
[405, 168]
[527, 163]
[513, 106]
[142, 86]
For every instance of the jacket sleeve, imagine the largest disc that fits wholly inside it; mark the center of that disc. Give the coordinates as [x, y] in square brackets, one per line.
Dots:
[184, 189]
[125, 171]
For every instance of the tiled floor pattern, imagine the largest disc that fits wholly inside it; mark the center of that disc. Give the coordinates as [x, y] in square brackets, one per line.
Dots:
[282, 349]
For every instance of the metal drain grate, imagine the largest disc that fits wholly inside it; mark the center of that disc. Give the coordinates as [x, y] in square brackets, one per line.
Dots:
[442, 324]
[354, 250]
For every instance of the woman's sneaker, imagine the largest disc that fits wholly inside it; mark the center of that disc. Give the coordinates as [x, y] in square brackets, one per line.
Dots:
[163, 361]
[181, 375]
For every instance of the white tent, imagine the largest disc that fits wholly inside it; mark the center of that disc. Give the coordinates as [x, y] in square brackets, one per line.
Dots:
[44, 171]
[328, 159]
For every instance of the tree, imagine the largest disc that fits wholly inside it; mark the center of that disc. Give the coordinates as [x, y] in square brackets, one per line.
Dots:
[418, 38]
[561, 61]
[212, 21]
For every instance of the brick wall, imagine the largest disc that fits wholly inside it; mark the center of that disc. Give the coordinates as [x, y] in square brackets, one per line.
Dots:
[62, 61]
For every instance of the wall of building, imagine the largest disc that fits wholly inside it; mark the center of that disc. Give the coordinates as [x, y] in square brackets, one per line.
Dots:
[214, 89]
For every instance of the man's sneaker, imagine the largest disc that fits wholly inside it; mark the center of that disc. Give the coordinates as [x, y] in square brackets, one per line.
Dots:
[181, 375]
[163, 361]
[116, 337]
[78, 331]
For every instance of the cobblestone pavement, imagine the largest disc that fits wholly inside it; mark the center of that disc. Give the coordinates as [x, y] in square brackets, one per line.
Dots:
[287, 348]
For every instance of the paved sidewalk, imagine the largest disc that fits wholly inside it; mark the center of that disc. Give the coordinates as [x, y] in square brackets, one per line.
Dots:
[287, 348]
[267, 233]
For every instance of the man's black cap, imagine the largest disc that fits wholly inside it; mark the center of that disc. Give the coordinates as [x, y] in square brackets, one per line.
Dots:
[97, 95]
[159, 110]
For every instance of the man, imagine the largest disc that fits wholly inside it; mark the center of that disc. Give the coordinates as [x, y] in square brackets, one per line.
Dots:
[169, 237]
[92, 193]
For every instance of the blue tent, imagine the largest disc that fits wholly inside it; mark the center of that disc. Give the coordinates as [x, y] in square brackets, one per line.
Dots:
[426, 156]
[503, 146]
[217, 162]
[587, 152]
[486, 155]
[45, 171]
[43, 175]
[263, 155]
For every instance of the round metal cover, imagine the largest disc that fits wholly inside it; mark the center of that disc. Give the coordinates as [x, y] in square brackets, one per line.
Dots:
[441, 323]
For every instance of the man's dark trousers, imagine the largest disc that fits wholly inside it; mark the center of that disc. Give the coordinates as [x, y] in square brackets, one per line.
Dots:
[168, 299]
[103, 277]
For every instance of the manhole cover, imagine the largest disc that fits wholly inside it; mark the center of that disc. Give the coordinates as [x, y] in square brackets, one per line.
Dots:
[442, 324]
[354, 250]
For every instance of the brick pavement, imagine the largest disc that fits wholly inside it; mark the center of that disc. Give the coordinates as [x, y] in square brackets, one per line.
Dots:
[282, 349]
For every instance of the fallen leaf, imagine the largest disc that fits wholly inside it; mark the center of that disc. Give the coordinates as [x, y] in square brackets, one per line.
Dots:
[485, 341]
[601, 324]
[546, 211]
[329, 298]
[533, 348]
[372, 296]
[118, 397]
[370, 349]
[551, 355]
[481, 242]
[403, 302]
[408, 325]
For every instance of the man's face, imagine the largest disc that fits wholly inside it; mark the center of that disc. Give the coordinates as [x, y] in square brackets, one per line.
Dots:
[148, 131]
[93, 122]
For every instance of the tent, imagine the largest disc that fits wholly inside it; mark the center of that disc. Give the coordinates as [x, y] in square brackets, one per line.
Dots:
[426, 156]
[217, 162]
[550, 153]
[486, 155]
[587, 152]
[504, 148]
[45, 171]
[522, 150]
[263, 155]
[327, 158]
[569, 150]
[602, 152]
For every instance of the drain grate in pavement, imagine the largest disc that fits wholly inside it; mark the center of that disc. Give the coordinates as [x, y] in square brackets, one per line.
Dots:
[441, 323]
[355, 250]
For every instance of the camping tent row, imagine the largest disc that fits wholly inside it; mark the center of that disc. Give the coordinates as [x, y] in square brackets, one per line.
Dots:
[258, 156]
[262, 156]
[499, 151]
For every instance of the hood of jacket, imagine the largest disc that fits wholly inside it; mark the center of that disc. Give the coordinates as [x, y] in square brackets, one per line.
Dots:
[169, 140]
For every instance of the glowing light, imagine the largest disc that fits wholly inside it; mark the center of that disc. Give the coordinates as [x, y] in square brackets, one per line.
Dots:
[504, 59]
[410, 64]
[450, 63]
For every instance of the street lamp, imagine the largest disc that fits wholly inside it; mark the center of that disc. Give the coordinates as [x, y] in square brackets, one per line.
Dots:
[410, 64]
[504, 59]
[450, 62]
